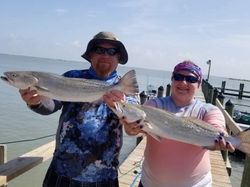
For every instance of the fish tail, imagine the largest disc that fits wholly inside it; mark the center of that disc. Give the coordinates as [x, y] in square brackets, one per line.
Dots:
[245, 141]
[128, 83]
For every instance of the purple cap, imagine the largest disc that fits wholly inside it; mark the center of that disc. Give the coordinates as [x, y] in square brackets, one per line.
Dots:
[189, 66]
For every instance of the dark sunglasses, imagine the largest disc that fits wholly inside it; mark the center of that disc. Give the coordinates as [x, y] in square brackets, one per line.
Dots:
[187, 78]
[102, 50]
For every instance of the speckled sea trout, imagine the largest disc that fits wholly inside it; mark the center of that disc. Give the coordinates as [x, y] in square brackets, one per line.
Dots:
[69, 89]
[162, 124]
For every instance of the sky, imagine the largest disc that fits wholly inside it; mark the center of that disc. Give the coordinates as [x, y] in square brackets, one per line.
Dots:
[157, 34]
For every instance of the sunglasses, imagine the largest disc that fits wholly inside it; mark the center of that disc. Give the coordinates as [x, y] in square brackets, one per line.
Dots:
[102, 50]
[187, 78]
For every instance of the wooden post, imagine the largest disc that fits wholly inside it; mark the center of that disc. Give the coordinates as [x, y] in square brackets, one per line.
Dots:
[245, 182]
[229, 107]
[241, 91]
[202, 84]
[160, 91]
[215, 96]
[3, 153]
[25, 162]
[210, 94]
[3, 159]
[221, 98]
[168, 90]
[143, 97]
[205, 88]
[223, 86]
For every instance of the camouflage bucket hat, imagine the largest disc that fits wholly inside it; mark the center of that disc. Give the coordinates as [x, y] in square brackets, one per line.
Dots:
[110, 38]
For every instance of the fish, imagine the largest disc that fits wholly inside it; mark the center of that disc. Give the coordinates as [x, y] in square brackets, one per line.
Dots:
[67, 89]
[160, 124]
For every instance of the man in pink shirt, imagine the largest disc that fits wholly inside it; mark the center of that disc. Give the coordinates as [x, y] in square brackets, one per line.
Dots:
[174, 164]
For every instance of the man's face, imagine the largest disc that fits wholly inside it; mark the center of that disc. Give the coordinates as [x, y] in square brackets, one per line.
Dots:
[104, 58]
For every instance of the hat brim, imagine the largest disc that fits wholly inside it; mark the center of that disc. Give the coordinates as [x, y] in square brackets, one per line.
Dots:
[92, 43]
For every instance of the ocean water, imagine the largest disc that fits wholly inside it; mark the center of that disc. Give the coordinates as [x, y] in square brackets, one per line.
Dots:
[17, 122]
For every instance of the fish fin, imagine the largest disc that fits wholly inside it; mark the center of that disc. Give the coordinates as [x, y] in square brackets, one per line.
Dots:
[129, 84]
[199, 122]
[244, 141]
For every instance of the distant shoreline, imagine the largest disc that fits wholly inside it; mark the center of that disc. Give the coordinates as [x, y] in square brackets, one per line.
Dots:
[245, 80]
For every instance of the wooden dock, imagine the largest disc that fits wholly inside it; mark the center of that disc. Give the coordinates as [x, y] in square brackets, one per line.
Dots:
[130, 169]
[129, 172]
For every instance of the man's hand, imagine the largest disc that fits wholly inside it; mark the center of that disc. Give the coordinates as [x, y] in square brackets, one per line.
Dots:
[30, 96]
[132, 128]
[113, 96]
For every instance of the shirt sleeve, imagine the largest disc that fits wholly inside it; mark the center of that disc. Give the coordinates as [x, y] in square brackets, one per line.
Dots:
[216, 118]
[151, 102]
[133, 99]
[47, 106]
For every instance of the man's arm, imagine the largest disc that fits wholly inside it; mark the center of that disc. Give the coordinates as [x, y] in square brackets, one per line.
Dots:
[39, 104]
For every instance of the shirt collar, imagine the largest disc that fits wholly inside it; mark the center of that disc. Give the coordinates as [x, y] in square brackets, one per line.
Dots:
[111, 78]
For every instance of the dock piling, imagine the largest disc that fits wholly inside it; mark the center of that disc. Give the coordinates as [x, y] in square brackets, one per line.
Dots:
[160, 91]
[229, 107]
[168, 90]
[3, 153]
[3, 159]
[221, 98]
[239, 93]
[241, 90]
[143, 97]
[215, 96]
[245, 182]
[223, 86]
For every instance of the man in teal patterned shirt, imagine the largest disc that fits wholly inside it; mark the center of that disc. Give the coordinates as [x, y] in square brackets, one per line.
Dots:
[89, 135]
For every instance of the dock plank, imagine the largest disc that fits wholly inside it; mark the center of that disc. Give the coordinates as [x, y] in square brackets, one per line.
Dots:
[23, 163]
[127, 175]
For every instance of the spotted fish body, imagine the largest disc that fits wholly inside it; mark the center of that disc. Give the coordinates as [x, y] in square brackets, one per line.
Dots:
[68, 89]
[162, 124]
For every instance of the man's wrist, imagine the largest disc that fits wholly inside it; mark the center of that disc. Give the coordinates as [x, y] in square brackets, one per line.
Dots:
[34, 105]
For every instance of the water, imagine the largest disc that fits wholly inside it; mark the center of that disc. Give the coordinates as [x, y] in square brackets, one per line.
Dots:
[17, 122]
